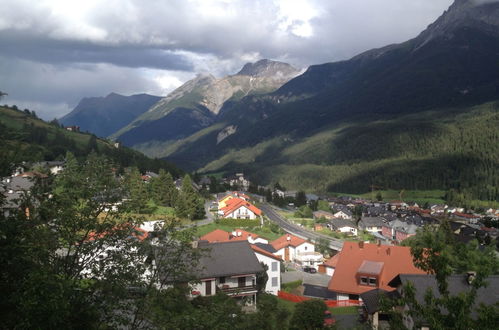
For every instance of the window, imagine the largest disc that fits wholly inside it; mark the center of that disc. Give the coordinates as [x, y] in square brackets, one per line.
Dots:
[372, 281]
[222, 280]
[275, 281]
[274, 266]
[363, 280]
[306, 248]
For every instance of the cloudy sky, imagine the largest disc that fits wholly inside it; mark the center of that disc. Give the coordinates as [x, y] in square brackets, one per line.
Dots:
[54, 52]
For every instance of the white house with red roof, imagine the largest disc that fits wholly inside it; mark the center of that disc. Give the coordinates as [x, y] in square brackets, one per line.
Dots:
[237, 208]
[296, 249]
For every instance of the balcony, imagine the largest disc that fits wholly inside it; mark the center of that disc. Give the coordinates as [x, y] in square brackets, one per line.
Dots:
[236, 290]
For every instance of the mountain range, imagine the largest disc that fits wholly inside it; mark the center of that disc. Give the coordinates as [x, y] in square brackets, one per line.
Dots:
[105, 115]
[422, 114]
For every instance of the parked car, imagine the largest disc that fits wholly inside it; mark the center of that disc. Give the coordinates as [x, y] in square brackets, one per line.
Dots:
[310, 270]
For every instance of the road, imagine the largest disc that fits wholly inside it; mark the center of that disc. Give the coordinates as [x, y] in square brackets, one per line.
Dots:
[296, 230]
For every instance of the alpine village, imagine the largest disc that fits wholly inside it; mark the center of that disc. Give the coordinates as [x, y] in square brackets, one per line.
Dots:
[355, 194]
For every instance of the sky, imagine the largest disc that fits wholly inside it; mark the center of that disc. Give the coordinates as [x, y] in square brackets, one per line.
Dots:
[55, 52]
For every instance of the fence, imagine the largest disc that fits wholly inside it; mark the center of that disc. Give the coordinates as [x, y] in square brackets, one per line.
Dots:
[330, 303]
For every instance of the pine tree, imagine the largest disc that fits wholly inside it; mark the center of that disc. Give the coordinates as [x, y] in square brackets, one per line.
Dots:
[189, 205]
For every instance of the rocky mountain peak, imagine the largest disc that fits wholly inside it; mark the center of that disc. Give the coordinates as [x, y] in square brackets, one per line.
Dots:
[481, 14]
[268, 68]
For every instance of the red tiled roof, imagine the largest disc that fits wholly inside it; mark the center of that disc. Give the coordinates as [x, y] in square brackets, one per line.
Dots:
[396, 260]
[465, 215]
[266, 253]
[219, 235]
[235, 203]
[333, 261]
[283, 241]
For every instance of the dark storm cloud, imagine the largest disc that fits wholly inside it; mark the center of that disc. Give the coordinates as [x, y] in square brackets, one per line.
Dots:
[56, 51]
[17, 44]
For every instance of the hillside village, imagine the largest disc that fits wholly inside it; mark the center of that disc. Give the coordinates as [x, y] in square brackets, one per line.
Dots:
[243, 264]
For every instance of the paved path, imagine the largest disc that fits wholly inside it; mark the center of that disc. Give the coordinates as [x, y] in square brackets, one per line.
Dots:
[296, 230]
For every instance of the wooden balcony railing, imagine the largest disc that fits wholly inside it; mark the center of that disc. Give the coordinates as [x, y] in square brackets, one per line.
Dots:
[236, 290]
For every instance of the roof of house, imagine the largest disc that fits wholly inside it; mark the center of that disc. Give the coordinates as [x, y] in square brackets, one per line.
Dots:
[395, 259]
[219, 235]
[316, 291]
[333, 261]
[405, 227]
[371, 298]
[236, 203]
[345, 211]
[340, 223]
[488, 295]
[372, 221]
[227, 259]
[267, 247]
[259, 250]
[287, 240]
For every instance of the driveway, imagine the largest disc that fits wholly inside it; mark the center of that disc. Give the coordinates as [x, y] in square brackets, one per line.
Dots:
[318, 279]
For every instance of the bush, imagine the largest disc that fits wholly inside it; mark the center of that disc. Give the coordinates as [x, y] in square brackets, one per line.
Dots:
[239, 222]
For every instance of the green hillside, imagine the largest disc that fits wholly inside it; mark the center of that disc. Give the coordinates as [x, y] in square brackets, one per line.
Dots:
[23, 137]
[439, 149]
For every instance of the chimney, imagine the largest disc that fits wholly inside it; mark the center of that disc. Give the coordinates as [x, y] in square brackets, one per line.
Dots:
[194, 244]
[288, 238]
[239, 234]
[361, 244]
[388, 251]
[234, 233]
[379, 243]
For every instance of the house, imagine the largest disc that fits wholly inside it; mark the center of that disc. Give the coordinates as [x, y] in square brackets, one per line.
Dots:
[457, 285]
[263, 251]
[329, 265]
[344, 214]
[55, 167]
[343, 226]
[398, 205]
[323, 214]
[237, 208]
[371, 224]
[239, 182]
[224, 198]
[73, 128]
[228, 267]
[399, 230]
[466, 217]
[362, 267]
[312, 197]
[293, 248]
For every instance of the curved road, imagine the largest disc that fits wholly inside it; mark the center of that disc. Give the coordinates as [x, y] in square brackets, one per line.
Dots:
[296, 230]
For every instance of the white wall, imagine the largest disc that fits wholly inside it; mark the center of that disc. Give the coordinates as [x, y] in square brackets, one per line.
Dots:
[330, 271]
[348, 230]
[242, 212]
[271, 274]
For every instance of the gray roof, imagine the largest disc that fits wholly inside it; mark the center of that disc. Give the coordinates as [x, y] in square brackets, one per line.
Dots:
[19, 183]
[266, 247]
[227, 259]
[371, 299]
[372, 222]
[405, 227]
[340, 222]
[488, 295]
[316, 291]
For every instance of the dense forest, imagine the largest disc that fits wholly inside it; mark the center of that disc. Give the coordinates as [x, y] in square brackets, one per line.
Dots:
[25, 138]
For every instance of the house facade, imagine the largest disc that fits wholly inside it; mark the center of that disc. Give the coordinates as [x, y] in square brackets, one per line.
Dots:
[292, 248]
[228, 267]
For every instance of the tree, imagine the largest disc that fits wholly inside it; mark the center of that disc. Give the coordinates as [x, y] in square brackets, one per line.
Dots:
[269, 314]
[309, 315]
[323, 246]
[323, 206]
[189, 204]
[435, 251]
[262, 278]
[72, 261]
[137, 192]
[163, 190]
[379, 197]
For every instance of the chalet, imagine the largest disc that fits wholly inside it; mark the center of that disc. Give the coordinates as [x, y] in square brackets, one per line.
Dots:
[238, 181]
[263, 251]
[399, 230]
[224, 198]
[362, 267]
[55, 167]
[293, 248]
[238, 208]
[343, 226]
[371, 224]
[228, 267]
[344, 214]
[466, 217]
[323, 214]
